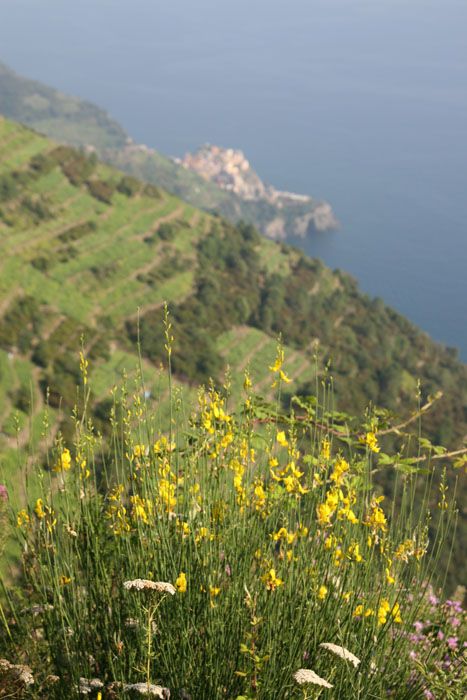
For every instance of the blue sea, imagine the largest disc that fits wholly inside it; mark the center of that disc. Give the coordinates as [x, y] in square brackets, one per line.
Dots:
[360, 102]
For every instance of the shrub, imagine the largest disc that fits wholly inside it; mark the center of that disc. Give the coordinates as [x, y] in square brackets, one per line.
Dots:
[42, 164]
[167, 231]
[38, 207]
[8, 187]
[42, 263]
[129, 186]
[20, 324]
[235, 556]
[74, 233]
[152, 191]
[22, 399]
[76, 166]
[101, 190]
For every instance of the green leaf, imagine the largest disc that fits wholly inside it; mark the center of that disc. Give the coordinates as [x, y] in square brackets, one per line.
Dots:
[385, 459]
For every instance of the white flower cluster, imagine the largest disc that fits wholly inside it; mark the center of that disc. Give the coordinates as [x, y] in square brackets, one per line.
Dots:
[305, 675]
[156, 691]
[22, 673]
[143, 584]
[87, 685]
[342, 652]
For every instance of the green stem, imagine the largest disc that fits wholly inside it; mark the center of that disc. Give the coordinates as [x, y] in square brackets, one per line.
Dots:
[5, 622]
[148, 663]
[151, 614]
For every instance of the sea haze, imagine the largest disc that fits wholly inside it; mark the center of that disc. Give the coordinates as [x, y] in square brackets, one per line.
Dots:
[363, 103]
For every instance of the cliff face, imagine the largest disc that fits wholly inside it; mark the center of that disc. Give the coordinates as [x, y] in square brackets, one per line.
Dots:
[229, 170]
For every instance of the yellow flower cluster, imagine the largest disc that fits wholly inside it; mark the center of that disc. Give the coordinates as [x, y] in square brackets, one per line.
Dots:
[353, 552]
[116, 511]
[141, 509]
[163, 446]
[167, 488]
[326, 449]
[167, 484]
[371, 441]
[276, 368]
[45, 514]
[337, 502]
[285, 535]
[238, 469]
[181, 582]
[84, 472]
[409, 548]
[203, 533]
[259, 495]
[213, 411]
[139, 451]
[283, 539]
[216, 422]
[271, 580]
[123, 511]
[242, 456]
[384, 611]
[290, 475]
[376, 519]
[22, 518]
[322, 592]
[341, 467]
[340, 497]
[64, 461]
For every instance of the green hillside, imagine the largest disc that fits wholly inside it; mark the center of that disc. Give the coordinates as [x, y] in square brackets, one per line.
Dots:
[80, 123]
[49, 111]
[89, 253]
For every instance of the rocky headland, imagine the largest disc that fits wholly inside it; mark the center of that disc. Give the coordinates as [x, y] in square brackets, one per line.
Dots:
[230, 170]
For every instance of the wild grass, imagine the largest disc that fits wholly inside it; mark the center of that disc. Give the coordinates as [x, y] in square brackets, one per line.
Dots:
[255, 537]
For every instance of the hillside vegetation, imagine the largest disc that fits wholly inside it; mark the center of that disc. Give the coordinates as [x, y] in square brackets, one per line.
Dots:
[68, 118]
[80, 123]
[84, 247]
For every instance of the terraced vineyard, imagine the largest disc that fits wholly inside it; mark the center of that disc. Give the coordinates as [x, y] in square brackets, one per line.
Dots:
[74, 264]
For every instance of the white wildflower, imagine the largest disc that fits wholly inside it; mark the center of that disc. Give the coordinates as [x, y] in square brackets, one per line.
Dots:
[52, 678]
[38, 609]
[25, 675]
[22, 673]
[304, 675]
[342, 652]
[131, 622]
[148, 689]
[87, 685]
[142, 584]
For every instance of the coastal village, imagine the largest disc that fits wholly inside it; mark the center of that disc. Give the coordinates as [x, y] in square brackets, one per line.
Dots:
[229, 169]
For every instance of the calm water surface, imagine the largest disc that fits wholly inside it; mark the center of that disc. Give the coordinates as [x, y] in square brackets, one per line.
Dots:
[363, 103]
